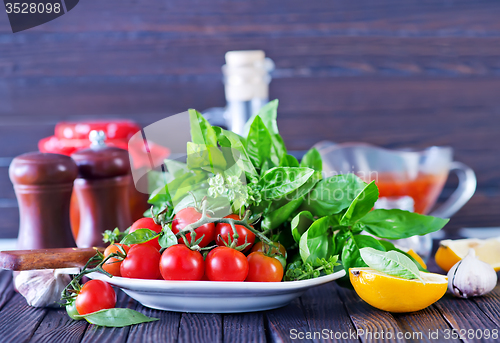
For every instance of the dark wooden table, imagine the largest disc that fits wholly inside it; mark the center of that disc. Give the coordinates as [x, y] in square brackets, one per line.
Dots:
[329, 312]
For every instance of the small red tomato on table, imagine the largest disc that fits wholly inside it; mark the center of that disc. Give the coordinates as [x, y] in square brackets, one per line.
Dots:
[190, 215]
[223, 231]
[95, 295]
[147, 223]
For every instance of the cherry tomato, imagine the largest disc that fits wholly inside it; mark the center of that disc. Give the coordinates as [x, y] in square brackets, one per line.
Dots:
[179, 262]
[112, 265]
[142, 262]
[95, 295]
[222, 231]
[147, 223]
[226, 264]
[259, 246]
[263, 268]
[187, 216]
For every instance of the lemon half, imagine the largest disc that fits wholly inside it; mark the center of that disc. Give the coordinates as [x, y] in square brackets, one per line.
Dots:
[452, 251]
[394, 294]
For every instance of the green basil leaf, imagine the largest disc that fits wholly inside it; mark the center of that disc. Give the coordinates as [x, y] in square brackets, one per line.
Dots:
[201, 130]
[312, 159]
[259, 143]
[317, 242]
[157, 179]
[396, 224]
[289, 161]
[176, 168]
[193, 182]
[278, 150]
[139, 236]
[340, 238]
[280, 181]
[300, 223]
[167, 238]
[392, 262]
[277, 217]
[208, 158]
[237, 143]
[361, 205]
[334, 194]
[351, 256]
[117, 317]
[389, 246]
[268, 113]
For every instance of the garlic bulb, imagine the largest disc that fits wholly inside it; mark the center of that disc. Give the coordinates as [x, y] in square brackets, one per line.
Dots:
[42, 288]
[471, 277]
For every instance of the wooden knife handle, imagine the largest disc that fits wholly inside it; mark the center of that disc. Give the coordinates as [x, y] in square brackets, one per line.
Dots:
[18, 260]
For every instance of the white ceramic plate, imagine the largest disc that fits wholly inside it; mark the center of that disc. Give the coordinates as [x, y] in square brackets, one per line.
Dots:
[214, 297]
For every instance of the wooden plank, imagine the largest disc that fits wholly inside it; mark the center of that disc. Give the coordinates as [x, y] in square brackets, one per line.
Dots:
[371, 324]
[200, 327]
[295, 53]
[18, 320]
[6, 287]
[283, 324]
[57, 326]
[9, 225]
[489, 304]
[324, 310]
[463, 315]
[96, 334]
[135, 95]
[164, 330]
[6, 188]
[195, 17]
[244, 327]
[428, 321]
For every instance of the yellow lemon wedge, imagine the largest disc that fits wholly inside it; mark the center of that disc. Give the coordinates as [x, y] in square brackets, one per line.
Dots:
[417, 258]
[395, 294]
[452, 251]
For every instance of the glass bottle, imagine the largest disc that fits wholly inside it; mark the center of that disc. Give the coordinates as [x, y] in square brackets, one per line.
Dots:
[246, 84]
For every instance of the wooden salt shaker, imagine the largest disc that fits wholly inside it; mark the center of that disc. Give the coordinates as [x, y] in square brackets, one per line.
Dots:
[43, 184]
[102, 190]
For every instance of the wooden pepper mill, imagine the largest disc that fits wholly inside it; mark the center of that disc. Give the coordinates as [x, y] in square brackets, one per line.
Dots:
[102, 190]
[43, 184]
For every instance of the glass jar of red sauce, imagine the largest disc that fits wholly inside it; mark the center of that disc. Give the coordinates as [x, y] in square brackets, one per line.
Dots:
[70, 137]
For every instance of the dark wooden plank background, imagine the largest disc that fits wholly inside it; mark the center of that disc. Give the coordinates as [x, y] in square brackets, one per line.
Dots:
[392, 73]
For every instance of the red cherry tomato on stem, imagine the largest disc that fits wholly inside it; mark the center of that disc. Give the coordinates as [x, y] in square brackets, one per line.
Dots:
[179, 262]
[187, 216]
[147, 223]
[263, 268]
[226, 264]
[223, 230]
[142, 262]
[95, 295]
[112, 265]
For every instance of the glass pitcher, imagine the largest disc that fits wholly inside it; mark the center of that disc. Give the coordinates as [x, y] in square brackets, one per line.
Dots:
[408, 180]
